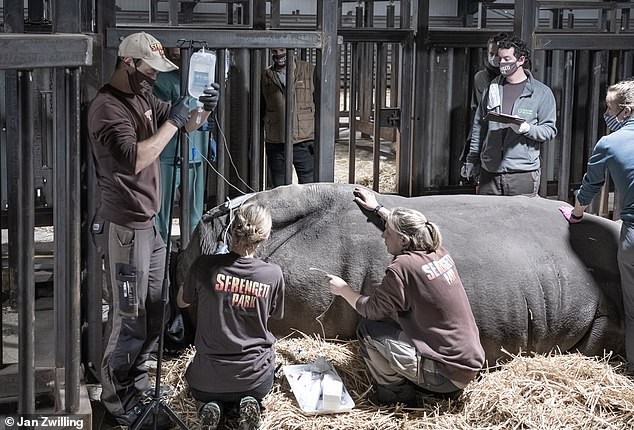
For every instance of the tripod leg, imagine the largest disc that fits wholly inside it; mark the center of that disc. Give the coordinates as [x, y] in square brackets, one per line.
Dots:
[148, 408]
[173, 416]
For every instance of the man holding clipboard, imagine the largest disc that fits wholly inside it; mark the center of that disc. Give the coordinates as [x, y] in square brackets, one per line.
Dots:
[516, 116]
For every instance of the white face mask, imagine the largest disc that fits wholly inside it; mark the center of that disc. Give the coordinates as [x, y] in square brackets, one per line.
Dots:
[279, 60]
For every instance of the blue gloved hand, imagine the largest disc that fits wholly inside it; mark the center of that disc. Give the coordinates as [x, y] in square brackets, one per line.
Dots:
[210, 97]
[180, 112]
[566, 211]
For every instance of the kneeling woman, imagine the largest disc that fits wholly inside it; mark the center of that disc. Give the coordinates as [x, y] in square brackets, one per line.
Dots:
[434, 343]
[235, 294]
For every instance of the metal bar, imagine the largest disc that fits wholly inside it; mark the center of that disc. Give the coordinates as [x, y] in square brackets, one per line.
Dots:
[567, 40]
[60, 221]
[289, 113]
[394, 60]
[13, 11]
[565, 4]
[346, 79]
[241, 80]
[3, 168]
[221, 38]
[25, 225]
[35, 11]
[339, 78]
[256, 129]
[66, 16]
[259, 15]
[13, 22]
[596, 83]
[393, 35]
[73, 350]
[66, 19]
[230, 13]
[153, 7]
[221, 191]
[326, 92]
[455, 38]
[257, 65]
[368, 16]
[406, 91]
[172, 13]
[379, 88]
[104, 17]
[352, 111]
[29, 51]
[421, 89]
[625, 20]
[566, 138]
[46, 127]
[524, 19]
[94, 279]
[185, 189]
[275, 15]
[482, 14]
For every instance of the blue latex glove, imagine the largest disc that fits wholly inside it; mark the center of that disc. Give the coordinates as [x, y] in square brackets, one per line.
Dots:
[566, 211]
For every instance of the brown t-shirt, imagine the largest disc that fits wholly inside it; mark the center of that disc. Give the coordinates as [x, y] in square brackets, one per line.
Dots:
[116, 122]
[235, 298]
[426, 292]
[510, 93]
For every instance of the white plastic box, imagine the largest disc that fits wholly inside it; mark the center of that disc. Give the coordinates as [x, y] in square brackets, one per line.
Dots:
[318, 393]
[331, 389]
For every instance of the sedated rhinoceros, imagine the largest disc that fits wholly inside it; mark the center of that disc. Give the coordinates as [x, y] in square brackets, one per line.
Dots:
[535, 283]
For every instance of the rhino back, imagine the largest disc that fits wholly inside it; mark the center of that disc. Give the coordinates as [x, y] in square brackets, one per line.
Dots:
[534, 282]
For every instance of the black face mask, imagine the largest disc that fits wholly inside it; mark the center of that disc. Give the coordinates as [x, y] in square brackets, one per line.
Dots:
[139, 82]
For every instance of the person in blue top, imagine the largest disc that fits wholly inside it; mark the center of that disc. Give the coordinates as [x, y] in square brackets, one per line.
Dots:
[168, 88]
[615, 153]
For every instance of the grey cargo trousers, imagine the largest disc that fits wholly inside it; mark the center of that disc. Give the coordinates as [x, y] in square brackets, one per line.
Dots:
[134, 263]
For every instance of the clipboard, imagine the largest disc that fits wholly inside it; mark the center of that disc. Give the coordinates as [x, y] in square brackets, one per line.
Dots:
[503, 118]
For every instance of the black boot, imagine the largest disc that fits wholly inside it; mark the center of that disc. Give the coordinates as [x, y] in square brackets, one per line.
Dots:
[394, 393]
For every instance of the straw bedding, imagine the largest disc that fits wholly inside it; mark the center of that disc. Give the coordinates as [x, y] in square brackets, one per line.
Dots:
[556, 391]
[363, 168]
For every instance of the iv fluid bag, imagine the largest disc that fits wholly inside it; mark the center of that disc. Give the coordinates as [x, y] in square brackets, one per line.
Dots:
[202, 71]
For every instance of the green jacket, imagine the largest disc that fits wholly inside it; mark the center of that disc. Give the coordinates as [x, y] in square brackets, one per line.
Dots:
[274, 98]
[167, 87]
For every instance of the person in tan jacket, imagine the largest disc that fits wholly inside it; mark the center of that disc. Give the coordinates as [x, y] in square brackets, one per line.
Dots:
[274, 112]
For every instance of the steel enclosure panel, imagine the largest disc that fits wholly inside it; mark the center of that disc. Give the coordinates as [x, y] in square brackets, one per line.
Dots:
[30, 51]
[458, 37]
[391, 35]
[326, 69]
[574, 40]
[224, 38]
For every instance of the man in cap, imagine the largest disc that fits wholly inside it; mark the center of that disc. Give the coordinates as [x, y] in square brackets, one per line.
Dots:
[128, 127]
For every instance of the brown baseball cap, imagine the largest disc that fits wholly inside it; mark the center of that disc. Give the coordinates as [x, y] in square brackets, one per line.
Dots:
[147, 48]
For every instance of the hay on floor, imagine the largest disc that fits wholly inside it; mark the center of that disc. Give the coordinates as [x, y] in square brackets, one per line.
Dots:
[557, 391]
